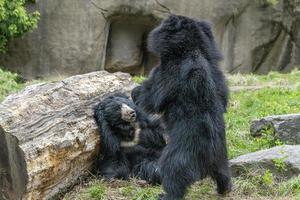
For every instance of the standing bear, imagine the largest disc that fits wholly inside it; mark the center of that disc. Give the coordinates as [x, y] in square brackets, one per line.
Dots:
[190, 92]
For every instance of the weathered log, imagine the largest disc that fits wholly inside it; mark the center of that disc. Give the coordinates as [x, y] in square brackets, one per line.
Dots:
[48, 138]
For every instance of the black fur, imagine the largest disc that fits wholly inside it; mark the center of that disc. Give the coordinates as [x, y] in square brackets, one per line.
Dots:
[122, 162]
[190, 91]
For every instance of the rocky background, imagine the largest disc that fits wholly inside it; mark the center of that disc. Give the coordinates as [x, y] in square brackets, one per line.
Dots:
[75, 36]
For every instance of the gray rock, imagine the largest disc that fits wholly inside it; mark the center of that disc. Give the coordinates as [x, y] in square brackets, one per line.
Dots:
[77, 36]
[287, 159]
[284, 127]
[126, 45]
[48, 137]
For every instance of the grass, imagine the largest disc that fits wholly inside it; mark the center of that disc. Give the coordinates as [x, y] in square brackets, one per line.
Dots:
[246, 106]
[97, 192]
[256, 97]
[140, 193]
[245, 187]
[138, 79]
[9, 83]
[273, 79]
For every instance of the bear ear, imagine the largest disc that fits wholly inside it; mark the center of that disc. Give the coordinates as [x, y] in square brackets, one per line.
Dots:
[172, 19]
[173, 22]
[205, 27]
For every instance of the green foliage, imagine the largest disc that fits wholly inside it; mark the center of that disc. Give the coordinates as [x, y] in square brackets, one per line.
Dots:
[261, 184]
[138, 79]
[15, 21]
[201, 190]
[9, 83]
[267, 178]
[290, 187]
[138, 193]
[97, 192]
[254, 80]
[267, 138]
[280, 163]
[271, 79]
[246, 106]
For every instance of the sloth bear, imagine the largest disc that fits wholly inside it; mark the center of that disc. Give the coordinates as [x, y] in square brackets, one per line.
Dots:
[190, 92]
[130, 141]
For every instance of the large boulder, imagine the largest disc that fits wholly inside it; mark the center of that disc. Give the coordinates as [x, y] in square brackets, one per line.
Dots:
[76, 36]
[282, 161]
[284, 127]
[48, 138]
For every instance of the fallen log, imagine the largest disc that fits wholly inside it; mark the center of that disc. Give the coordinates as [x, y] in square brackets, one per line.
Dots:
[48, 138]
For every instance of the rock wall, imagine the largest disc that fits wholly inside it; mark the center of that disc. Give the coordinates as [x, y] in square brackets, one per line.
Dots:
[76, 36]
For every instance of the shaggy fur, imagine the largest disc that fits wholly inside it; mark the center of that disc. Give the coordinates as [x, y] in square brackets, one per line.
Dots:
[190, 91]
[130, 140]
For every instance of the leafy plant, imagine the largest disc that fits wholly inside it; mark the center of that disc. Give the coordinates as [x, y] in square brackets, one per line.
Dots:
[97, 192]
[9, 82]
[267, 178]
[15, 20]
[138, 79]
[290, 187]
[136, 193]
[280, 163]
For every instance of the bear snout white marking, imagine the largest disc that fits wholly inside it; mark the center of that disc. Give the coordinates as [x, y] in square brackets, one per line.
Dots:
[128, 114]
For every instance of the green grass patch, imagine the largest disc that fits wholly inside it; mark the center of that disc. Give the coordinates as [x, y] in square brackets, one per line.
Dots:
[246, 106]
[11, 82]
[140, 193]
[290, 188]
[138, 79]
[249, 186]
[291, 79]
[271, 79]
[97, 191]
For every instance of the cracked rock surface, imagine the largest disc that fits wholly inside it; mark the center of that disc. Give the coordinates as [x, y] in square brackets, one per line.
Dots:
[282, 161]
[75, 37]
[286, 128]
[48, 138]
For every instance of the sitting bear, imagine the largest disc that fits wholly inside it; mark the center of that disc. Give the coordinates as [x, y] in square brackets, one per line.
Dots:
[130, 141]
[190, 92]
